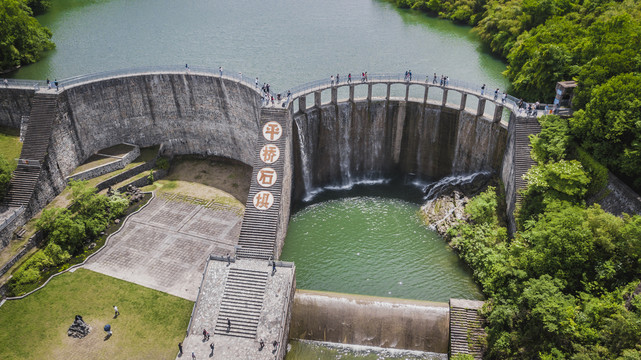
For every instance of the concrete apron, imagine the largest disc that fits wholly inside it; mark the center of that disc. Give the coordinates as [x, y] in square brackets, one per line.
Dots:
[370, 321]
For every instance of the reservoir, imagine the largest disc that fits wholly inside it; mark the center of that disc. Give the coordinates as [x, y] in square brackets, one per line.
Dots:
[284, 43]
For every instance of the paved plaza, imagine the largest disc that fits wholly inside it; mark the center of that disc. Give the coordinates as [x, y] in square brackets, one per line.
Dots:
[166, 245]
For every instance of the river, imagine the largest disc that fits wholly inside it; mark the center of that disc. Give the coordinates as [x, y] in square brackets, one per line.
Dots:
[285, 42]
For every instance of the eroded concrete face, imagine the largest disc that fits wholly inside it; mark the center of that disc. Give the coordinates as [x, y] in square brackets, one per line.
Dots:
[166, 245]
[370, 321]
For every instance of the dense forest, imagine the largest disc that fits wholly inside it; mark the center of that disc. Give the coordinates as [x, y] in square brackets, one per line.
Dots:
[22, 39]
[566, 285]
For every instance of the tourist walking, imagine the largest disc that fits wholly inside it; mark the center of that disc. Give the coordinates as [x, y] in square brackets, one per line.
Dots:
[220, 71]
[256, 82]
[496, 94]
[503, 98]
[262, 345]
[116, 312]
[180, 349]
[483, 90]
[331, 80]
[229, 257]
[211, 346]
[349, 78]
[205, 335]
[193, 355]
[434, 81]
[410, 74]
[338, 79]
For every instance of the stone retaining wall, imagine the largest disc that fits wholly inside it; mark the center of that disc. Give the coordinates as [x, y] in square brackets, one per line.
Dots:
[126, 174]
[107, 168]
[14, 104]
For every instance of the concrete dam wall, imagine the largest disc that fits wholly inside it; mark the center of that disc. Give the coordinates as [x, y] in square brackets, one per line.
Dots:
[184, 113]
[340, 144]
[370, 321]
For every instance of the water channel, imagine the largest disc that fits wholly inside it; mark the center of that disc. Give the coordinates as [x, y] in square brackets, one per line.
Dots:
[287, 43]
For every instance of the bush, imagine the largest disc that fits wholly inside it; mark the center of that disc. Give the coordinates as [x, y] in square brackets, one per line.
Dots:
[598, 173]
[5, 176]
[162, 163]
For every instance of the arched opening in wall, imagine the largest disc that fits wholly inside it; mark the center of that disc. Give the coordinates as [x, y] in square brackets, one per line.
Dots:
[416, 93]
[489, 109]
[453, 99]
[343, 94]
[309, 101]
[397, 91]
[360, 91]
[379, 91]
[326, 96]
[435, 95]
[471, 104]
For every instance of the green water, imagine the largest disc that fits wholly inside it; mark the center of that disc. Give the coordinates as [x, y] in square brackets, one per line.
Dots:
[286, 42]
[374, 246]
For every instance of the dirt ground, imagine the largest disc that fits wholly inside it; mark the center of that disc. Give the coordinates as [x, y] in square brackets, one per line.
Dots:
[208, 178]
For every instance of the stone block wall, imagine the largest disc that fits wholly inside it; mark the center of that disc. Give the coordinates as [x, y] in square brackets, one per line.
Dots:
[14, 104]
[107, 168]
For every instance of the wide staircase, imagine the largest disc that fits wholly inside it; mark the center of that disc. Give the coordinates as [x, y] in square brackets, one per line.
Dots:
[242, 303]
[524, 127]
[467, 335]
[34, 150]
[258, 231]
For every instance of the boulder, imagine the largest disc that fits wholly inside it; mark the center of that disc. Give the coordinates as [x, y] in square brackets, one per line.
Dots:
[79, 328]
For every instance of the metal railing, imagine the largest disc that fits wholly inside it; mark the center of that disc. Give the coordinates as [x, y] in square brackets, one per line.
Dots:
[417, 79]
[161, 69]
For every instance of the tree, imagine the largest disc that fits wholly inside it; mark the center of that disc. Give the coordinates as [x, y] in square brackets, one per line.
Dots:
[552, 142]
[5, 176]
[610, 125]
[22, 39]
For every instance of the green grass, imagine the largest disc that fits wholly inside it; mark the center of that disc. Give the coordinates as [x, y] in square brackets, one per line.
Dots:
[117, 150]
[10, 145]
[149, 327]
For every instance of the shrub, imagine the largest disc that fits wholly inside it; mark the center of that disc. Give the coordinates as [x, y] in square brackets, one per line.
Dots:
[598, 173]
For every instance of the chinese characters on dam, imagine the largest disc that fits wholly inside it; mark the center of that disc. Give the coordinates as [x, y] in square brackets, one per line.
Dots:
[266, 177]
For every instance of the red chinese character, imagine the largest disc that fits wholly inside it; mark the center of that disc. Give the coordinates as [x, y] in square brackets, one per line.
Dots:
[273, 130]
[269, 153]
[266, 177]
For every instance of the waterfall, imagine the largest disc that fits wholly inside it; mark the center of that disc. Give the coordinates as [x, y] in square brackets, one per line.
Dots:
[306, 166]
[345, 152]
[468, 183]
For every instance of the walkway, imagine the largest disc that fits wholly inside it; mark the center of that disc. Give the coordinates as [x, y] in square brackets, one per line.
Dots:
[467, 335]
[165, 246]
[255, 300]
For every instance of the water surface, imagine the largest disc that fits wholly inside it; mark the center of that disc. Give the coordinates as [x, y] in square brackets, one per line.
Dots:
[286, 42]
[374, 246]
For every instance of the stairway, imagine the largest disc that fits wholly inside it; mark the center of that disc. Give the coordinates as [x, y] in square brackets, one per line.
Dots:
[258, 230]
[242, 303]
[522, 160]
[466, 331]
[34, 150]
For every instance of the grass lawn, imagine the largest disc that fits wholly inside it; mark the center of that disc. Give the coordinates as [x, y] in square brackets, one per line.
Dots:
[150, 325]
[10, 145]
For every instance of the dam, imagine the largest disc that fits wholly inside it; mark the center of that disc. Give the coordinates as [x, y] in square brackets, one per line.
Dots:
[447, 129]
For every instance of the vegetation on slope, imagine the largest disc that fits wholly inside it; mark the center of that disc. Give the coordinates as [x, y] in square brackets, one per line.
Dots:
[564, 287]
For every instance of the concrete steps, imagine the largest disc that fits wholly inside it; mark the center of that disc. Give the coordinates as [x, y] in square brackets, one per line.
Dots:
[34, 150]
[524, 127]
[258, 230]
[241, 303]
[466, 330]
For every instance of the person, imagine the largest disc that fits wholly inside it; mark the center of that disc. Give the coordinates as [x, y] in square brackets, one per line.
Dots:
[205, 335]
[275, 343]
[547, 108]
[349, 78]
[262, 345]
[331, 80]
[55, 82]
[362, 77]
[180, 348]
[365, 76]
[503, 98]
[410, 74]
[482, 89]
[211, 346]
[228, 257]
[48, 84]
[256, 81]
[6, 82]
[272, 100]
[116, 312]
[338, 79]
[496, 94]
[193, 355]
[405, 75]
[289, 95]
[228, 325]
[434, 81]
[273, 267]
[187, 67]
[220, 71]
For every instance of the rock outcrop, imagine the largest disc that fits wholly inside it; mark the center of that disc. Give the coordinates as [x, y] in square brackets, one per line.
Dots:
[79, 328]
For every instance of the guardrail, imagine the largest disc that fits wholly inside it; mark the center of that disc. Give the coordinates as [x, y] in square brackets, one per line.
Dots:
[79, 79]
[417, 79]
